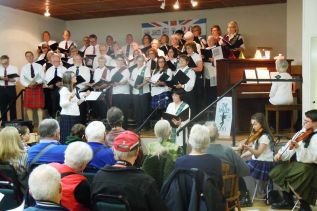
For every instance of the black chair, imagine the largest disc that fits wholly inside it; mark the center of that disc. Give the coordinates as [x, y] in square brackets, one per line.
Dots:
[90, 176]
[103, 202]
[10, 187]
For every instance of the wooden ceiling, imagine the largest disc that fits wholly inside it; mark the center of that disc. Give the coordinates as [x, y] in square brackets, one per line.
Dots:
[85, 9]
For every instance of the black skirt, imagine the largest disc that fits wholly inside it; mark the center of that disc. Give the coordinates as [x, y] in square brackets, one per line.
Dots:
[66, 123]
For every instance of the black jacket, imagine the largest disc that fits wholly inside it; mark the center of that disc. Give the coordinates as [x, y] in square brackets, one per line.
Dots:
[191, 190]
[132, 183]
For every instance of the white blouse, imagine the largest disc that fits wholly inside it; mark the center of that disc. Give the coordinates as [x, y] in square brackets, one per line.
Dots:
[192, 78]
[137, 71]
[156, 90]
[122, 88]
[69, 107]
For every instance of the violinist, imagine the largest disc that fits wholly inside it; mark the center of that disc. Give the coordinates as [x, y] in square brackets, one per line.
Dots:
[301, 173]
[259, 146]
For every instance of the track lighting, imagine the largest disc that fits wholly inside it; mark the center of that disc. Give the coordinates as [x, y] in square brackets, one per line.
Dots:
[163, 5]
[47, 13]
[194, 3]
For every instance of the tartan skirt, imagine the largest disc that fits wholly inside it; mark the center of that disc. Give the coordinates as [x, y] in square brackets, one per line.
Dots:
[301, 176]
[260, 169]
[66, 123]
[160, 101]
[34, 97]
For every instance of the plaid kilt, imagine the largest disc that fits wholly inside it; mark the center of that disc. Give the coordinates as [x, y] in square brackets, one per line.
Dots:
[34, 97]
[260, 169]
[301, 176]
[161, 98]
[66, 123]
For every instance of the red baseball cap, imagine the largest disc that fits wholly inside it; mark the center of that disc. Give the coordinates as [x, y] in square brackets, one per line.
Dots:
[126, 141]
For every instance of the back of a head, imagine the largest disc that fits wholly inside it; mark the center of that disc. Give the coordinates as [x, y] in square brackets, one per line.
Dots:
[188, 35]
[281, 65]
[95, 131]
[213, 130]
[78, 155]
[48, 128]
[162, 129]
[10, 144]
[115, 117]
[126, 145]
[199, 137]
[44, 183]
[78, 130]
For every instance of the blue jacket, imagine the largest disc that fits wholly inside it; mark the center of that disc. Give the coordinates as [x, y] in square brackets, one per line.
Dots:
[103, 155]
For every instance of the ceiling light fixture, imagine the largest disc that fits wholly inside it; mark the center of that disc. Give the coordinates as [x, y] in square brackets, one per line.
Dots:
[47, 13]
[163, 5]
[194, 3]
[176, 5]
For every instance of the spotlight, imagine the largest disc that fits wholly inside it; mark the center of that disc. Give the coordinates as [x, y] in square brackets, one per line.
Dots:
[47, 13]
[194, 3]
[163, 5]
[176, 5]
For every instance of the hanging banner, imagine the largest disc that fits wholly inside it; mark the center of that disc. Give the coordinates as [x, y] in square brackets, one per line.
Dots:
[223, 118]
[157, 29]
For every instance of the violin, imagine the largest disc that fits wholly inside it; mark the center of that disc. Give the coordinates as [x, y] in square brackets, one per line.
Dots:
[254, 136]
[301, 137]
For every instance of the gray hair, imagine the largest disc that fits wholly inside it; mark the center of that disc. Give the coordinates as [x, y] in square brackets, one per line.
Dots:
[77, 155]
[121, 155]
[199, 137]
[281, 65]
[95, 131]
[115, 116]
[213, 131]
[188, 35]
[44, 183]
[162, 129]
[48, 128]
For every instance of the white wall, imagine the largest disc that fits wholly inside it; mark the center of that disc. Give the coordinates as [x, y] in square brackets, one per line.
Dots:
[309, 48]
[21, 31]
[294, 30]
[263, 25]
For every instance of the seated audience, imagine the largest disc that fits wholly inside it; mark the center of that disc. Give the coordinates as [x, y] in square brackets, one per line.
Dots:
[48, 149]
[198, 158]
[77, 133]
[75, 187]
[300, 173]
[24, 132]
[124, 179]
[115, 121]
[12, 152]
[161, 155]
[103, 155]
[45, 188]
[281, 92]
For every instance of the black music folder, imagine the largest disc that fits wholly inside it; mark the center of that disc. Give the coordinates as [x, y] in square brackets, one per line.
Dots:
[66, 64]
[184, 115]
[89, 60]
[117, 77]
[163, 77]
[101, 82]
[191, 62]
[181, 77]
[14, 75]
[79, 79]
[41, 62]
[145, 49]
[207, 53]
[171, 65]
[153, 65]
[55, 80]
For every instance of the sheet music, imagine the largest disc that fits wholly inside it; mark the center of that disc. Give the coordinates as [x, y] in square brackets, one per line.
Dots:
[217, 54]
[263, 73]
[93, 96]
[250, 74]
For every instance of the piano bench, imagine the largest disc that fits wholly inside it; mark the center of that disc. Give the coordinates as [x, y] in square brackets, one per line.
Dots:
[277, 109]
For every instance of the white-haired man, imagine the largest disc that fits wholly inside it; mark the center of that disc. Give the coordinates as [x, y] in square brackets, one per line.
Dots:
[103, 155]
[48, 149]
[125, 179]
[75, 187]
[45, 187]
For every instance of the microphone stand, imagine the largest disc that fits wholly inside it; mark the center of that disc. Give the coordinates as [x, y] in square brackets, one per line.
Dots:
[137, 131]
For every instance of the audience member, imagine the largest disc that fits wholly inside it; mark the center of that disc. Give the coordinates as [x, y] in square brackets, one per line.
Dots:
[77, 133]
[115, 121]
[198, 158]
[12, 152]
[125, 179]
[45, 188]
[48, 149]
[103, 155]
[75, 187]
[24, 132]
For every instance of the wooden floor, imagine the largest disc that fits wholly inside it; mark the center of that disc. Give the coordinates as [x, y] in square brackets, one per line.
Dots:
[260, 206]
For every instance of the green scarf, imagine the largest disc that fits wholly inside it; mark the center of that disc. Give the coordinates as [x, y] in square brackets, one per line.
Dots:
[142, 74]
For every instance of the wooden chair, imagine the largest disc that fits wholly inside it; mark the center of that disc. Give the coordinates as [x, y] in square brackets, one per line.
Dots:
[277, 109]
[230, 189]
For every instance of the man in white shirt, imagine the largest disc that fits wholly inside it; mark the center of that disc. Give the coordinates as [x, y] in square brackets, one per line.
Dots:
[32, 78]
[84, 72]
[109, 45]
[56, 71]
[103, 52]
[86, 44]
[93, 48]
[66, 43]
[301, 173]
[127, 49]
[7, 88]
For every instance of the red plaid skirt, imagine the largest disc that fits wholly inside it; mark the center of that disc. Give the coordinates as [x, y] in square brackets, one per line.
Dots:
[34, 97]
